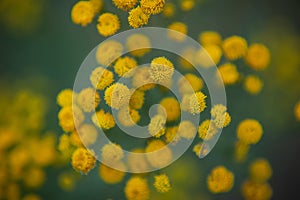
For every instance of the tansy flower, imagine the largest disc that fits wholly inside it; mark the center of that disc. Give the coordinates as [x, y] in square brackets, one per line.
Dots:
[189, 83]
[124, 66]
[179, 27]
[258, 56]
[194, 103]
[128, 117]
[83, 160]
[83, 13]
[158, 154]
[256, 191]
[137, 162]
[152, 7]
[260, 170]
[69, 116]
[156, 126]
[186, 129]
[34, 177]
[110, 175]
[111, 153]
[108, 24]
[162, 183]
[125, 4]
[297, 111]
[220, 180]
[187, 58]
[75, 139]
[207, 130]
[138, 44]
[64, 97]
[66, 181]
[171, 135]
[101, 78]
[103, 119]
[137, 17]
[97, 5]
[201, 149]
[161, 69]
[187, 5]
[108, 52]
[171, 107]
[117, 95]
[88, 134]
[205, 59]
[229, 73]
[249, 131]
[210, 38]
[88, 99]
[142, 79]
[234, 47]
[214, 51]
[137, 99]
[137, 188]
[253, 84]
[169, 10]
[241, 151]
[220, 117]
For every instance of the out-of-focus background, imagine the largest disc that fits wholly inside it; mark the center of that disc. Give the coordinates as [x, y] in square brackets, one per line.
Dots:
[41, 51]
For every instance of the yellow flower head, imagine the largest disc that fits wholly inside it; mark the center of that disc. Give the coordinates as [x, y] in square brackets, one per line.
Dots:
[214, 51]
[75, 139]
[207, 130]
[101, 78]
[117, 95]
[171, 107]
[161, 69]
[258, 56]
[187, 58]
[97, 5]
[137, 161]
[179, 27]
[137, 99]
[125, 4]
[189, 83]
[256, 191]
[234, 47]
[241, 151]
[111, 175]
[108, 52]
[66, 181]
[297, 111]
[201, 149]
[162, 183]
[83, 160]
[249, 131]
[88, 99]
[138, 44]
[83, 13]
[169, 10]
[141, 79]
[156, 126]
[221, 118]
[124, 66]
[171, 134]
[34, 177]
[210, 38]
[253, 84]
[64, 97]
[194, 103]
[229, 73]
[103, 119]
[137, 17]
[152, 7]
[187, 130]
[112, 153]
[260, 170]
[220, 180]
[88, 134]
[207, 58]
[137, 188]
[158, 154]
[69, 116]
[108, 24]
[128, 117]
[187, 5]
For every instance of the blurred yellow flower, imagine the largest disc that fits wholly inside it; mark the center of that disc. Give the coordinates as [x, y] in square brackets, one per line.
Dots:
[220, 180]
[249, 131]
[108, 24]
[253, 84]
[258, 56]
[137, 188]
[83, 13]
[124, 66]
[179, 27]
[260, 170]
[234, 47]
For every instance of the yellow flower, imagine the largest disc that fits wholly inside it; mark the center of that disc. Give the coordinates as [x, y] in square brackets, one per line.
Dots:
[161, 69]
[171, 135]
[258, 56]
[207, 130]
[111, 175]
[142, 79]
[187, 130]
[83, 13]
[83, 160]
[179, 27]
[169, 10]
[158, 154]
[171, 107]
[137, 17]
[234, 47]
[88, 134]
[221, 118]
[101, 78]
[64, 146]
[187, 58]
[187, 5]
[125, 66]
[66, 181]
[260, 170]
[210, 38]
[125, 4]
[137, 99]
[152, 7]
[111, 153]
[108, 24]
[103, 119]
[297, 111]
[64, 97]
[88, 99]
[128, 117]
[69, 116]
[241, 151]
[229, 73]
[207, 58]
[137, 188]
[162, 183]
[34, 177]
[75, 140]
[138, 44]
[97, 5]
[189, 83]
[194, 103]
[253, 84]
[117, 95]
[156, 126]
[137, 161]
[108, 52]
[201, 149]
[256, 191]
[214, 51]
[220, 180]
[249, 131]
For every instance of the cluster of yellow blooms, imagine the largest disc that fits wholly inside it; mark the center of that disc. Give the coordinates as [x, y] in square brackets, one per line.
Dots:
[220, 180]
